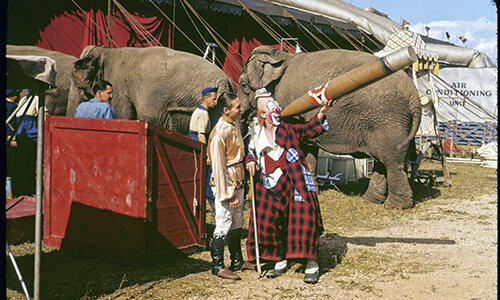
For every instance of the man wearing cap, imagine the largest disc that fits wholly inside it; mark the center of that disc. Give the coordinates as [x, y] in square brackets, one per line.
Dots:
[225, 153]
[287, 208]
[199, 128]
[99, 107]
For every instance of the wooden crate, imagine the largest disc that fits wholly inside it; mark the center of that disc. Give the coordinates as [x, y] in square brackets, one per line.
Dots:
[122, 188]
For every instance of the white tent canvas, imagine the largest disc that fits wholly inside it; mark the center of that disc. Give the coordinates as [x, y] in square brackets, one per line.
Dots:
[470, 94]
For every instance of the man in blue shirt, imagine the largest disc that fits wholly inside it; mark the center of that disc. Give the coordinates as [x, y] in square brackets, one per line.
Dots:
[98, 107]
[199, 128]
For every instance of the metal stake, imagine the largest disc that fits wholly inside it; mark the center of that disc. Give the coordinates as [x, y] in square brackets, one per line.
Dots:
[19, 276]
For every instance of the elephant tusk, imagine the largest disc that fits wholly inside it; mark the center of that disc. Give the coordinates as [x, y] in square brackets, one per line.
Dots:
[352, 80]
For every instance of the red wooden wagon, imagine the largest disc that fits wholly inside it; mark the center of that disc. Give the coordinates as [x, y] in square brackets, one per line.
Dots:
[122, 188]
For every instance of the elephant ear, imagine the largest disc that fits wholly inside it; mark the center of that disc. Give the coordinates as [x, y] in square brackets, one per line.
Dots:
[86, 71]
[272, 69]
[224, 85]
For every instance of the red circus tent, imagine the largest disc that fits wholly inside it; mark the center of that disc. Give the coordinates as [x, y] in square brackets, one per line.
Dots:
[68, 27]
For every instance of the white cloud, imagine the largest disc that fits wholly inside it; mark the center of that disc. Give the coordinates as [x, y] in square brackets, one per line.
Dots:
[480, 34]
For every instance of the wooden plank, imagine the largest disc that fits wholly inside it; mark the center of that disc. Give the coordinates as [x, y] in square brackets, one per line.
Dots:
[179, 196]
[178, 138]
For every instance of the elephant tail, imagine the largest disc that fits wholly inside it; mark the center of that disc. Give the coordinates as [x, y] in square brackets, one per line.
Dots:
[415, 124]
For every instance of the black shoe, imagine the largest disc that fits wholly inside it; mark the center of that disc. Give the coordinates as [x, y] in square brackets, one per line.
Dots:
[234, 245]
[311, 278]
[217, 254]
[275, 273]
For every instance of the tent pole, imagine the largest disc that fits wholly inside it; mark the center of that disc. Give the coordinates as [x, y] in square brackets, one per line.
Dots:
[39, 192]
[173, 27]
[109, 23]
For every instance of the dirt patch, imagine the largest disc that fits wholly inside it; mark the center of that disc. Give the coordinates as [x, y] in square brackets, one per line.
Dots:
[445, 251]
[443, 248]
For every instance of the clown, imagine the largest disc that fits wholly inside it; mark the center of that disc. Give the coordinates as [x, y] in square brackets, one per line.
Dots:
[287, 209]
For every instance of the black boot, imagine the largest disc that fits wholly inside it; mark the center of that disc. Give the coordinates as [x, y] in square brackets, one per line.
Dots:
[234, 245]
[218, 260]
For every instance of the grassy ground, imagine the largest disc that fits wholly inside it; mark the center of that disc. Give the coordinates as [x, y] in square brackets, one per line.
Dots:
[70, 276]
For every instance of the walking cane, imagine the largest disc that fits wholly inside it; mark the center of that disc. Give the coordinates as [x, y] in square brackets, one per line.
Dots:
[257, 255]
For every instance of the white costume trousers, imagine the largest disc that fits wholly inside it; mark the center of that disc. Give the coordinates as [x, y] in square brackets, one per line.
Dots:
[227, 218]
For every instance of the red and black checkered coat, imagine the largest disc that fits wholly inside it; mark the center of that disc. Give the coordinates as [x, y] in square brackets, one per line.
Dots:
[288, 214]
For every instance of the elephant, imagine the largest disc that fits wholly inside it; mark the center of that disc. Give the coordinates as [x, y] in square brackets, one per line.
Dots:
[155, 84]
[379, 120]
[56, 98]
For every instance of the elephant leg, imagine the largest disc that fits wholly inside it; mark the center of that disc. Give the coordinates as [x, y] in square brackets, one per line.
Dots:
[125, 109]
[377, 189]
[400, 195]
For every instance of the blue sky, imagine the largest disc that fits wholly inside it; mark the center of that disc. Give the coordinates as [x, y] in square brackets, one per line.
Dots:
[476, 20]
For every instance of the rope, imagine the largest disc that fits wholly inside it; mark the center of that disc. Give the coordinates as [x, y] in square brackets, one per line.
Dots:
[343, 33]
[445, 107]
[474, 103]
[192, 22]
[98, 27]
[305, 28]
[212, 33]
[453, 129]
[269, 30]
[316, 27]
[374, 42]
[433, 90]
[152, 38]
[453, 107]
[195, 202]
[177, 27]
[209, 29]
[137, 26]
[278, 25]
[283, 30]
[466, 108]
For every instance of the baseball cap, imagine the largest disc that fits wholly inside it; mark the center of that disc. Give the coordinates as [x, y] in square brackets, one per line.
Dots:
[208, 90]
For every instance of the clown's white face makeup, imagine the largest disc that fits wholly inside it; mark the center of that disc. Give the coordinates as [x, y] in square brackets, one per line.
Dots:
[273, 112]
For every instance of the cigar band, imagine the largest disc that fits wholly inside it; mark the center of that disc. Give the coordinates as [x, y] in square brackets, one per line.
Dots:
[319, 96]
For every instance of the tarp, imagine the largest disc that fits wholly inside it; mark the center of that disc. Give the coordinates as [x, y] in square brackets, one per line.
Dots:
[40, 68]
[380, 27]
[383, 28]
[273, 10]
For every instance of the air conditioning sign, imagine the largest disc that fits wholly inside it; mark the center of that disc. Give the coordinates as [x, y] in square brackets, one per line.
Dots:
[464, 94]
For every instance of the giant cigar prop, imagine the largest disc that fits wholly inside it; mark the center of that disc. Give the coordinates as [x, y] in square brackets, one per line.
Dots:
[352, 80]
